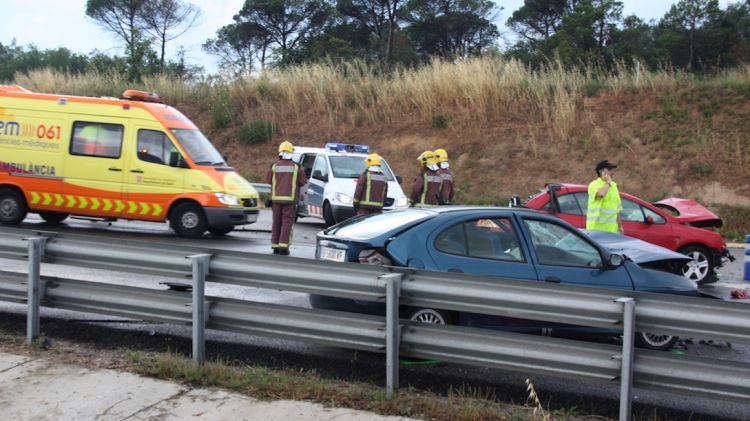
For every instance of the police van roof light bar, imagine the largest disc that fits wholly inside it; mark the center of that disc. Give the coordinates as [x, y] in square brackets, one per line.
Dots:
[347, 147]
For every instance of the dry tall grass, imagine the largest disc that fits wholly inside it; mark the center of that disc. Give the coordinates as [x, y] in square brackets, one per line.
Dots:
[468, 92]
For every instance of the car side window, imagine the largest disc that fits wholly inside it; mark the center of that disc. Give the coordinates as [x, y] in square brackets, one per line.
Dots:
[320, 169]
[658, 219]
[632, 211]
[101, 140]
[569, 204]
[154, 146]
[482, 238]
[582, 198]
[307, 163]
[559, 246]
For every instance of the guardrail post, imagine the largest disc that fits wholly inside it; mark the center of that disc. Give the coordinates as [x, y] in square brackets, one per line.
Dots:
[626, 370]
[747, 258]
[392, 331]
[200, 270]
[36, 251]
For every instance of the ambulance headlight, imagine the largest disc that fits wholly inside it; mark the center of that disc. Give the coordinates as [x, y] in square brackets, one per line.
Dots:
[228, 199]
[344, 198]
[402, 202]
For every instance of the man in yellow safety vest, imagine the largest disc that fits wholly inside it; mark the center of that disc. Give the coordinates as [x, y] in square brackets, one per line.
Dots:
[604, 201]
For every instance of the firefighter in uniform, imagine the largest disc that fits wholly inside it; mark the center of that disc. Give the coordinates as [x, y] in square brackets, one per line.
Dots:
[446, 176]
[604, 201]
[425, 190]
[372, 187]
[285, 179]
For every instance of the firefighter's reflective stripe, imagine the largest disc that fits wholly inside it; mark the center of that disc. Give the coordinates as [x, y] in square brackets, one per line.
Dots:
[95, 203]
[368, 188]
[284, 169]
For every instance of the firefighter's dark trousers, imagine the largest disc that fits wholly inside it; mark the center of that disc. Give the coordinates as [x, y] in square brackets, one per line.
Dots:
[281, 228]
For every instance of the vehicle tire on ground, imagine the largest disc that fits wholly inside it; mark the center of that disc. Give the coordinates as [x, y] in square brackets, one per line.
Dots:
[220, 231]
[13, 208]
[701, 269]
[429, 316]
[328, 215]
[188, 220]
[654, 341]
[53, 218]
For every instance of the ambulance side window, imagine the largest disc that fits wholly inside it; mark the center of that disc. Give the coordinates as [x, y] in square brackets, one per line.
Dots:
[154, 146]
[96, 139]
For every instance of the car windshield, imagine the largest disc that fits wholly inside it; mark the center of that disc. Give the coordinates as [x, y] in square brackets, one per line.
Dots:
[351, 166]
[198, 147]
[379, 224]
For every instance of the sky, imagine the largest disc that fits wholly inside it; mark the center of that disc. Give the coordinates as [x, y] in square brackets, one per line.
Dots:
[49, 24]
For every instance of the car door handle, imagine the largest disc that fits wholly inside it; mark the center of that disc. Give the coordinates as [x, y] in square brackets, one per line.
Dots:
[115, 169]
[553, 279]
[139, 171]
[454, 270]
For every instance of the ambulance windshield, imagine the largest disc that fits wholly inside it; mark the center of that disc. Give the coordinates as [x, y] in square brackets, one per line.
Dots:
[198, 147]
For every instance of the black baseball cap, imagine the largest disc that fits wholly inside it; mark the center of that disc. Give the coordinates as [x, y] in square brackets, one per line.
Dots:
[605, 164]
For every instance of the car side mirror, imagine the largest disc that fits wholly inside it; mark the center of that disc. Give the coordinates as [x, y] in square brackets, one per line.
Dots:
[616, 260]
[649, 219]
[399, 179]
[319, 175]
[176, 160]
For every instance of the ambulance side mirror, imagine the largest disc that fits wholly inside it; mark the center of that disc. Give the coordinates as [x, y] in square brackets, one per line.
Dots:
[399, 179]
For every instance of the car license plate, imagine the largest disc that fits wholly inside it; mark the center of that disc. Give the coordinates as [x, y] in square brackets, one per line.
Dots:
[336, 255]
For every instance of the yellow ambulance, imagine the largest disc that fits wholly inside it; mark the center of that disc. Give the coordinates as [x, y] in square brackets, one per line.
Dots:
[132, 158]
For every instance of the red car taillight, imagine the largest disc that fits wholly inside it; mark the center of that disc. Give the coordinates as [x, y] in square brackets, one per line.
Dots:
[373, 257]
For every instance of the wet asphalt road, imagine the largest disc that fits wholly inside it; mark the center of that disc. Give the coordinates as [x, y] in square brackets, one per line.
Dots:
[559, 393]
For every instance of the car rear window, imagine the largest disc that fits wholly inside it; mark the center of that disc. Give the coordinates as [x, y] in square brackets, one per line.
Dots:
[377, 225]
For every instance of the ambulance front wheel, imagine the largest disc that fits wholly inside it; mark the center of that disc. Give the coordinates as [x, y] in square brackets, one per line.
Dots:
[13, 208]
[53, 218]
[188, 220]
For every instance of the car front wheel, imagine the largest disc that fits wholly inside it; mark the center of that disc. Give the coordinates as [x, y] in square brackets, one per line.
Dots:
[654, 341]
[328, 215]
[188, 220]
[701, 268]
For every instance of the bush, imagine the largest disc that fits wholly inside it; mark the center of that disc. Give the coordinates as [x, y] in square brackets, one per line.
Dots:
[221, 109]
[440, 121]
[257, 131]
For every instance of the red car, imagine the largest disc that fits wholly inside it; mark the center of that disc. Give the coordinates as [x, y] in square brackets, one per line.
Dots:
[681, 225]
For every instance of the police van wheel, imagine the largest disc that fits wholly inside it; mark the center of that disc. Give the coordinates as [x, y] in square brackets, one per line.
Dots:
[13, 207]
[53, 218]
[188, 220]
[328, 215]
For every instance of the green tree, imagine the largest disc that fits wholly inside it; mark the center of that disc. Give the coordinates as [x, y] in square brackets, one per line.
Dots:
[684, 20]
[124, 19]
[161, 17]
[452, 28]
[378, 20]
[238, 45]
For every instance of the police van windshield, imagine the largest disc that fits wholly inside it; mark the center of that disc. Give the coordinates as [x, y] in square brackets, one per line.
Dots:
[198, 147]
[352, 166]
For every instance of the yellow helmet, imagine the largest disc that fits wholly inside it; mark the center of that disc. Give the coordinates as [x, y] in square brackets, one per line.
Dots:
[426, 157]
[441, 155]
[373, 159]
[286, 146]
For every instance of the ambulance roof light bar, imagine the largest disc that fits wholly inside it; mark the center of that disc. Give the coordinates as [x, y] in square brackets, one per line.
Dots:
[347, 147]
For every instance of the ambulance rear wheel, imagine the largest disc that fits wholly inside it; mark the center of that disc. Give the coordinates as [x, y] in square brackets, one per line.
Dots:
[188, 220]
[328, 215]
[53, 218]
[221, 231]
[13, 207]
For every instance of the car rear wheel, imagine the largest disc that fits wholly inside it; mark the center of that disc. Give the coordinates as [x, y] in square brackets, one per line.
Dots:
[429, 316]
[701, 268]
[13, 207]
[53, 218]
[654, 341]
[188, 220]
[328, 215]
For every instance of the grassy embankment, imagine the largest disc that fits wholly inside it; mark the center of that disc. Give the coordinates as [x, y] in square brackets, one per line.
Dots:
[508, 129]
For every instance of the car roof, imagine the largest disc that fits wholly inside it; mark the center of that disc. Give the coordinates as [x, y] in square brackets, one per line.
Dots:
[309, 149]
[475, 208]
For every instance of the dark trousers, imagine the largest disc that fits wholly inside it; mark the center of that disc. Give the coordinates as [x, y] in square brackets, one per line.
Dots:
[281, 228]
[367, 211]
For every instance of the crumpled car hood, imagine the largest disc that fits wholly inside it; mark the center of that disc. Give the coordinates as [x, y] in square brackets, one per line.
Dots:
[690, 212]
[637, 250]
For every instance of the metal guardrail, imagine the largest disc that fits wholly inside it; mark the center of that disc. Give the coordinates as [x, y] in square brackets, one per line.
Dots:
[394, 286]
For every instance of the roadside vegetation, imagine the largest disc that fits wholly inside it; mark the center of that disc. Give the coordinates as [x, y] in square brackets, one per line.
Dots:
[508, 128]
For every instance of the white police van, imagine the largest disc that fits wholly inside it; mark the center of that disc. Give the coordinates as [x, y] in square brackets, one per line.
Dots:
[332, 174]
